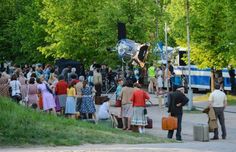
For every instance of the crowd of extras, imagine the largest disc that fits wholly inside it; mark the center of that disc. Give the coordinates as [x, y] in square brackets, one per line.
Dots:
[43, 87]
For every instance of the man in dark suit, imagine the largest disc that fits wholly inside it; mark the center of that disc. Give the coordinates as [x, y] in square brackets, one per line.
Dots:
[177, 100]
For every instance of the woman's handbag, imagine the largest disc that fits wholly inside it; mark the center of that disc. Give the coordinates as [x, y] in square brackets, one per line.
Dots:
[145, 111]
[118, 103]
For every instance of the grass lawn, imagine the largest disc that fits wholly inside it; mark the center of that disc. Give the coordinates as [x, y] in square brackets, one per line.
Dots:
[23, 126]
[231, 99]
[193, 111]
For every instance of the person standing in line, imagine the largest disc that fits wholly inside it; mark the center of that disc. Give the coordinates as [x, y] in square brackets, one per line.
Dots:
[218, 101]
[139, 98]
[177, 100]
[15, 88]
[72, 75]
[70, 100]
[47, 97]
[97, 81]
[4, 88]
[87, 105]
[126, 104]
[24, 86]
[61, 92]
[52, 81]
[78, 88]
[32, 94]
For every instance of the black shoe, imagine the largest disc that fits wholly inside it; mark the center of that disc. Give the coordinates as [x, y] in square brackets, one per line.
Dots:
[215, 138]
[179, 139]
[224, 138]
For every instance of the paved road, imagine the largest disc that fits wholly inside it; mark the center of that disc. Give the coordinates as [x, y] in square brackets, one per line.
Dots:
[154, 112]
[176, 147]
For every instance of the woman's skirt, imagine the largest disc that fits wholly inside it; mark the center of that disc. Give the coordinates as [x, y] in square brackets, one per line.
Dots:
[62, 100]
[33, 99]
[24, 91]
[70, 105]
[138, 117]
[126, 110]
[4, 90]
[87, 105]
[58, 106]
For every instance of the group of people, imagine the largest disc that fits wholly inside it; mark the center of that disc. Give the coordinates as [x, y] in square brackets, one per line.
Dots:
[133, 104]
[49, 90]
[157, 75]
[66, 93]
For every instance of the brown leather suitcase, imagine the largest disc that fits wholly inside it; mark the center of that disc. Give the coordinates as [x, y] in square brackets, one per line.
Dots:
[169, 123]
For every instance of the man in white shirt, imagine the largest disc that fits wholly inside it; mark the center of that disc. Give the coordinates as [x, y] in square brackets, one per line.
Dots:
[218, 101]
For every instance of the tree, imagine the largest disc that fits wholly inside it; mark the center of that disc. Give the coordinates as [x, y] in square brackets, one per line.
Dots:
[211, 25]
[83, 30]
[21, 31]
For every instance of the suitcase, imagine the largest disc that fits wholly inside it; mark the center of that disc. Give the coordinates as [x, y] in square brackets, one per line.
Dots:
[149, 123]
[119, 121]
[201, 132]
[118, 103]
[116, 121]
[169, 123]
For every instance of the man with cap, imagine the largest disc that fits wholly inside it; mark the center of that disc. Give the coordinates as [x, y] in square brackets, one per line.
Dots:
[177, 100]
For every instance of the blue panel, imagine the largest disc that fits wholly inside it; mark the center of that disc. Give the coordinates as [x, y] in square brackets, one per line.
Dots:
[200, 80]
[227, 82]
[192, 69]
[176, 80]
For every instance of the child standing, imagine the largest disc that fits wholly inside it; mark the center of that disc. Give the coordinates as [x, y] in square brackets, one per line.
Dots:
[70, 100]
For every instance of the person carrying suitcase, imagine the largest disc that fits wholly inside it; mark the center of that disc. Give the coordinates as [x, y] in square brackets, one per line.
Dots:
[175, 108]
[218, 101]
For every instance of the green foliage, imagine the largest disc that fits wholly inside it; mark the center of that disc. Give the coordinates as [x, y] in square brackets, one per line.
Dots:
[24, 126]
[211, 28]
[83, 30]
[44, 30]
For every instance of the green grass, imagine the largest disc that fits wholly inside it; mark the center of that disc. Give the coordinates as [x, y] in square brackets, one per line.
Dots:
[201, 97]
[231, 99]
[23, 126]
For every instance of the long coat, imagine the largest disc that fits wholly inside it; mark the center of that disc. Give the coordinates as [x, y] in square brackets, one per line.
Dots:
[212, 121]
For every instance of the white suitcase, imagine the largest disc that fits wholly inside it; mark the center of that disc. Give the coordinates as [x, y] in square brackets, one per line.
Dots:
[201, 132]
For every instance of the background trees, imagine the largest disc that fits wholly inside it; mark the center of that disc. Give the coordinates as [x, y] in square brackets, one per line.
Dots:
[44, 30]
[212, 25]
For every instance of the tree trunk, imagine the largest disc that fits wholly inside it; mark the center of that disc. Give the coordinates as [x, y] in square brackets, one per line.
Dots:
[232, 80]
[212, 79]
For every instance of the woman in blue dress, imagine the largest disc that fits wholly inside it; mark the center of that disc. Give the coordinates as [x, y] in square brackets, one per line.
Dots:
[87, 105]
